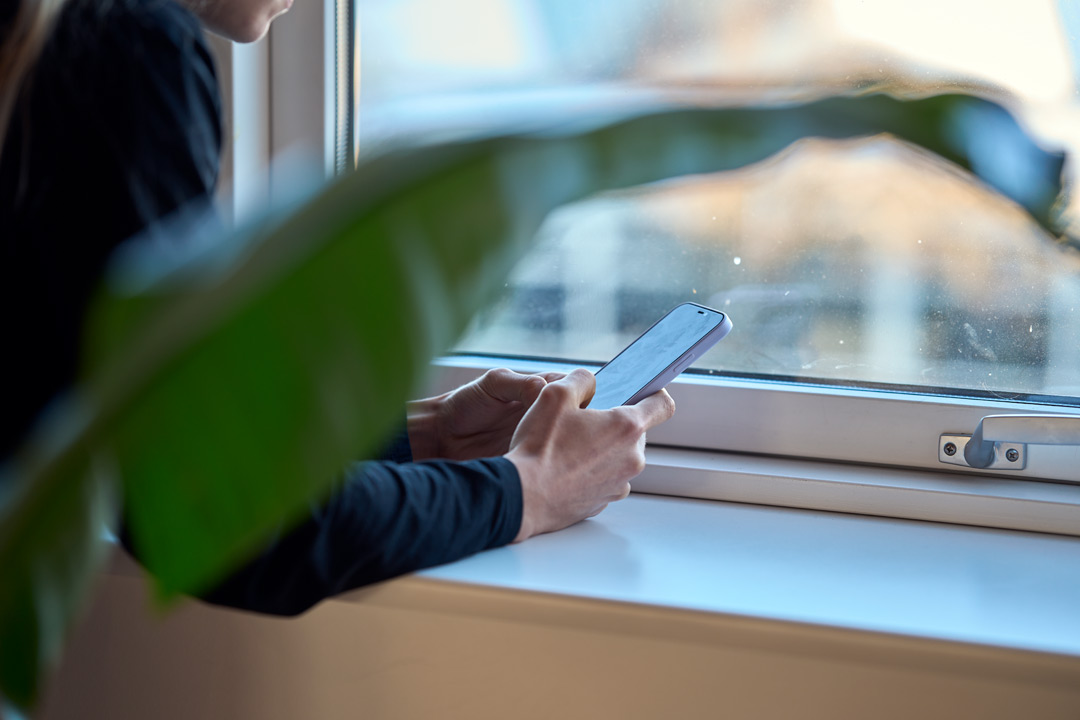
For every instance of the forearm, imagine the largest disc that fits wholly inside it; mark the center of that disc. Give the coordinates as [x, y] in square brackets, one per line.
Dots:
[385, 520]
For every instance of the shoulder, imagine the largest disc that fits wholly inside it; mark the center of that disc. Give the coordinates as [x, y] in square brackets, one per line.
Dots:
[128, 88]
[145, 71]
[91, 25]
[96, 40]
[111, 47]
[138, 76]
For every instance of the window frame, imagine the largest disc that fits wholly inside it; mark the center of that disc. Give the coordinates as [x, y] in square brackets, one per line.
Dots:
[277, 100]
[301, 63]
[864, 452]
[868, 427]
[244, 75]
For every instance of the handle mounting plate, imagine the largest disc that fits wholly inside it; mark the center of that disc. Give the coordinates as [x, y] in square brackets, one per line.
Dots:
[1001, 453]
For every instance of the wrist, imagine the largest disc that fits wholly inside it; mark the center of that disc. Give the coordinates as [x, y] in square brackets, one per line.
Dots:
[422, 426]
[531, 498]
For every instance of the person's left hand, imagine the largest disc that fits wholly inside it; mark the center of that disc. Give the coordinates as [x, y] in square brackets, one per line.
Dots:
[476, 420]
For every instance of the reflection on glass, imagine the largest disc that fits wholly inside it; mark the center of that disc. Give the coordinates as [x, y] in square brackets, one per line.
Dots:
[861, 261]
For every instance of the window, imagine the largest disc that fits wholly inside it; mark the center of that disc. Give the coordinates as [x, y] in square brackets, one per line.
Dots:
[881, 295]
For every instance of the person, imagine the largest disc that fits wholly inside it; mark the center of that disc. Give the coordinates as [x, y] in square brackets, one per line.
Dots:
[111, 120]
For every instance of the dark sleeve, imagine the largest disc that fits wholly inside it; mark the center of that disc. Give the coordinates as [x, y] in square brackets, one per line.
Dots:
[398, 449]
[384, 520]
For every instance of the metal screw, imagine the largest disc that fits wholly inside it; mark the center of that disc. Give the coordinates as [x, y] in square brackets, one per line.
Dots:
[950, 449]
[1012, 455]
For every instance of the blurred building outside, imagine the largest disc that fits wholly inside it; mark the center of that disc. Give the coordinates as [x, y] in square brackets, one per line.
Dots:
[857, 261]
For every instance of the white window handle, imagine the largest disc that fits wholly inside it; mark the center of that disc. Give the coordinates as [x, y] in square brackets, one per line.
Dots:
[1000, 441]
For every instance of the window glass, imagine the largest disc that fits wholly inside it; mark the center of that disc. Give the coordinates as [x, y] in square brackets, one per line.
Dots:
[865, 261]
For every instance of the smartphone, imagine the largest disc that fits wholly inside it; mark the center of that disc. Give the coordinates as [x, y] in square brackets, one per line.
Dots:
[659, 355]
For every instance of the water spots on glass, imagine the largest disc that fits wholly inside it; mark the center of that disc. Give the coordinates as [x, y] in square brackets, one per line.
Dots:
[809, 247]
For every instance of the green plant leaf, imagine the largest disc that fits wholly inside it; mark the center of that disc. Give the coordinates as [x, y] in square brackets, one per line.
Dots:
[234, 390]
[49, 551]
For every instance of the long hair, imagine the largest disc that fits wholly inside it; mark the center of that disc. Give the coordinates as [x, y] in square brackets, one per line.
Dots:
[21, 43]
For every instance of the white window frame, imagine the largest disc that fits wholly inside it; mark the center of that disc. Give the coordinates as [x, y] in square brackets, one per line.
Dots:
[775, 443]
[276, 97]
[302, 85]
[823, 448]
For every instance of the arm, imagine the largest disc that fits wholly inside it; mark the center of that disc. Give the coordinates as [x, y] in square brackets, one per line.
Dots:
[395, 516]
[384, 520]
[564, 464]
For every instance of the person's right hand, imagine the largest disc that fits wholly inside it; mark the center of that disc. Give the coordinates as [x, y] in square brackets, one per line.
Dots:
[573, 461]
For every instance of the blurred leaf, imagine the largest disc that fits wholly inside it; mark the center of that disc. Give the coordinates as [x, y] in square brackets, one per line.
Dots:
[50, 547]
[233, 390]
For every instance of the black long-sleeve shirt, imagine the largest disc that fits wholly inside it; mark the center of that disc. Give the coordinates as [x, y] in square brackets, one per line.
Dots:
[119, 127]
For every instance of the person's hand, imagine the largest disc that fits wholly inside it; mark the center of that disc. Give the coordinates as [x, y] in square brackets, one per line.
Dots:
[573, 461]
[476, 420]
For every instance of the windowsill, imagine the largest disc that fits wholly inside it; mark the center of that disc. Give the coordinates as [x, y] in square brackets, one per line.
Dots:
[712, 567]
[851, 590]
[760, 561]
[658, 607]
[898, 578]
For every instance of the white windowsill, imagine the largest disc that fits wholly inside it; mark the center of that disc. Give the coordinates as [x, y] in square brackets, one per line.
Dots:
[659, 607]
[809, 570]
[822, 589]
[926, 580]
[997, 589]
[850, 551]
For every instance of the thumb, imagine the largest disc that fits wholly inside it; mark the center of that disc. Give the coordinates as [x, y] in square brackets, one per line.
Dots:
[580, 385]
[506, 385]
[655, 409]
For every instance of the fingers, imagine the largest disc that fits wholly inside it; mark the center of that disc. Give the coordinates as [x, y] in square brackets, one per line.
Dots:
[655, 409]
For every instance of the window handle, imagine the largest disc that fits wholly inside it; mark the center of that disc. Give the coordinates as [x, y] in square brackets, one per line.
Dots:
[1000, 441]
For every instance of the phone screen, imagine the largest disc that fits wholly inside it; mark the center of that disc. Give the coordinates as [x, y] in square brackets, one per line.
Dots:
[654, 353]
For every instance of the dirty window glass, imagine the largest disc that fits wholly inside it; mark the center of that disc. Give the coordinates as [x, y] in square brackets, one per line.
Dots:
[865, 261]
